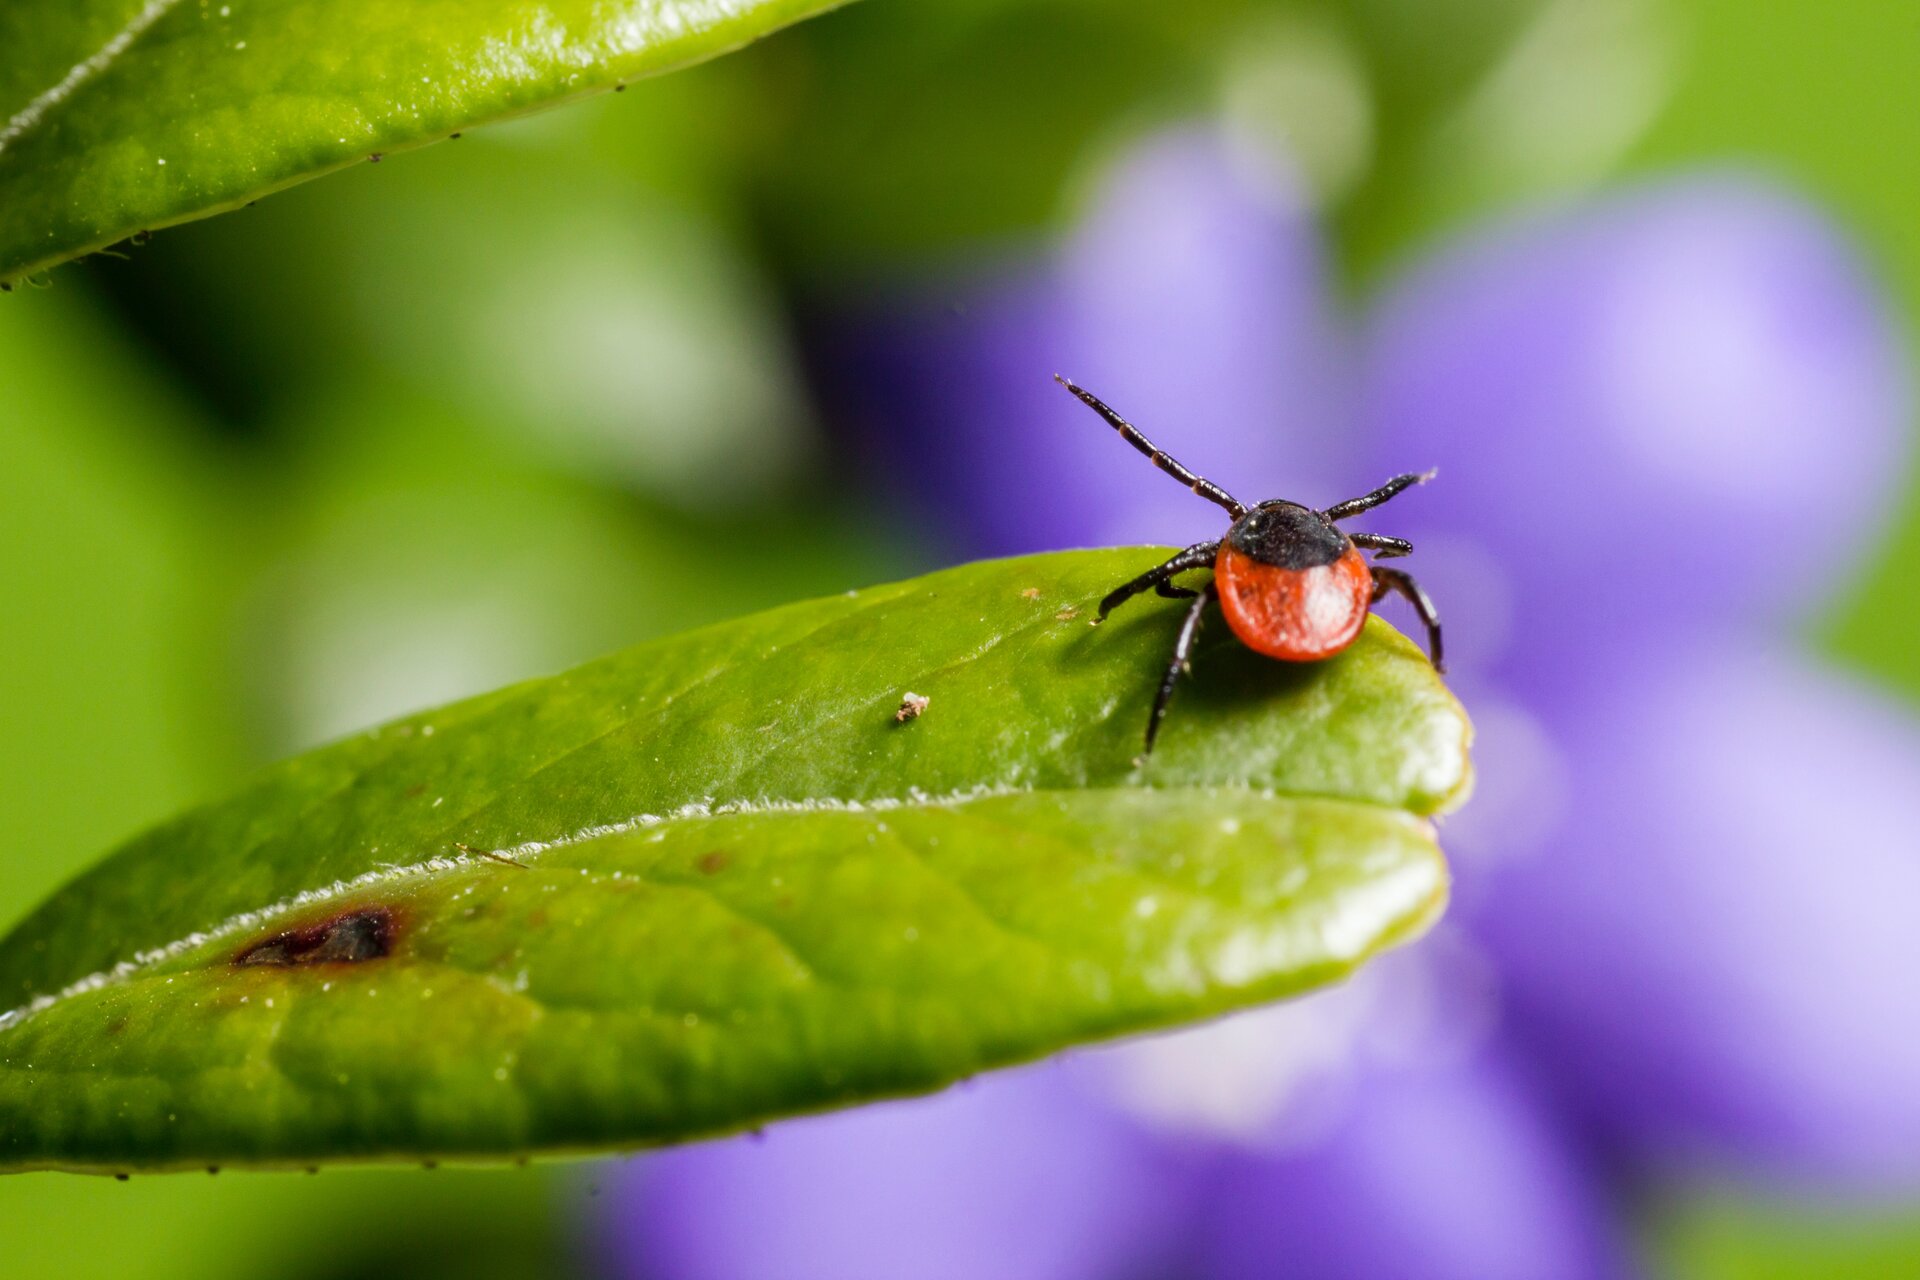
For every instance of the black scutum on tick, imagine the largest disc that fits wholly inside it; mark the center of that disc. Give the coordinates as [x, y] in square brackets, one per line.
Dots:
[355, 936]
[1287, 536]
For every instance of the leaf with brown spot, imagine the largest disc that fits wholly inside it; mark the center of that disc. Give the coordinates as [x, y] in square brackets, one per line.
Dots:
[705, 925]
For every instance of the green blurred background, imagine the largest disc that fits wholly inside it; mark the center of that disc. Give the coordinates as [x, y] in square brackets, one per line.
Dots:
[382, 441]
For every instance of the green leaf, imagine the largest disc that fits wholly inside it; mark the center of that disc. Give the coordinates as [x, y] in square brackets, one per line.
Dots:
[118, 116]
[712, 880]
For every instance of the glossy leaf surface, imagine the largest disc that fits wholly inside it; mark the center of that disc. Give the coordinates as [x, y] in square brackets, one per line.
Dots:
[714, 880]
[118, 116]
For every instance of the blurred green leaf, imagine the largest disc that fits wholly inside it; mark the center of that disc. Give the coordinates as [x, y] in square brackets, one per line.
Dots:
[124, 115]
[898, 132]
[420, 558]
[114, 561]
[1486, 104]
[359, 1225]
[1720, 1236]
[738, 887]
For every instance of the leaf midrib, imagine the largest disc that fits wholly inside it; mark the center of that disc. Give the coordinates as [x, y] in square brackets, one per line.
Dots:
[440, 836]
[125, 971]
[89, 68]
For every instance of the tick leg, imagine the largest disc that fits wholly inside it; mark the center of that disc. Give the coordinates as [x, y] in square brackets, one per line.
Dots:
[1166, 462]
[1181, 664]
[1367, 502]
[1385, 548]
[1198, 556]
[1396, 580]
[1167, 590]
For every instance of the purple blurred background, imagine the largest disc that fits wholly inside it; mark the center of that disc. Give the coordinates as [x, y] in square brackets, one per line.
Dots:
[1668, 421]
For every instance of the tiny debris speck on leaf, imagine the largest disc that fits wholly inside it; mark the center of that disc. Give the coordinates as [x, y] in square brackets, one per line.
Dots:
[911, 705]
[1031, 593]
[490, 855]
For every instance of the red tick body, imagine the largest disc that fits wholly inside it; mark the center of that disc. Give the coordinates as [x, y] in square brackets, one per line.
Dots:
[1291, 584]
[1295, 615]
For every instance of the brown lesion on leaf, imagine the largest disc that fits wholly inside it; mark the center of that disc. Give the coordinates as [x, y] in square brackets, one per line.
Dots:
[713, 862]
[350, 937]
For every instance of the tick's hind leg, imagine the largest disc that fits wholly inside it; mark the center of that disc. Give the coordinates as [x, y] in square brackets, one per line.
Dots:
[1401, 582]
[1160, 578]
[1182, 661]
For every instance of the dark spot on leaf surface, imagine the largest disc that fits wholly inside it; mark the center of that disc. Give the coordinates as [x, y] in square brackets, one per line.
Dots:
[363, 934]
[712, 863]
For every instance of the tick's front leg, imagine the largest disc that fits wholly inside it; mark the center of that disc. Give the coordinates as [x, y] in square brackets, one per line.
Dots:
[1198, 556]
[1182, 662]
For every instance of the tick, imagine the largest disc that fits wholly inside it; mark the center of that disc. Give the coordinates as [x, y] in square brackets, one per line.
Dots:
[1291, 583]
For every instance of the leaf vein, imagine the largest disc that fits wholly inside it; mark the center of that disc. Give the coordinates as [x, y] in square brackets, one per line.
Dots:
[29, 116]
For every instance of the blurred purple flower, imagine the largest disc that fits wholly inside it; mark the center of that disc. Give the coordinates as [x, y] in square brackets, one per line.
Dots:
[1713, 954]
[1022, 1178]
[1203, 307]
[1666, 421]
[1446, 1173]
[1685, 400]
